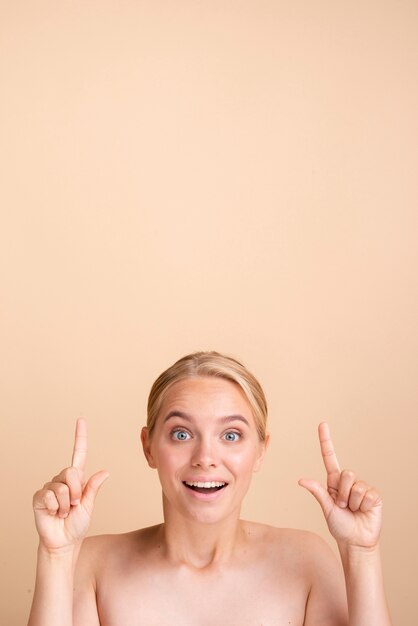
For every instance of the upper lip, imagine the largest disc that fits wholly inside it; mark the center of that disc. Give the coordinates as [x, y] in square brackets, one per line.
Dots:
[205, 479]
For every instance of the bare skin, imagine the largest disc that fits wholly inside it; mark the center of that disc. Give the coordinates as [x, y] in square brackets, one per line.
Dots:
[205, 566]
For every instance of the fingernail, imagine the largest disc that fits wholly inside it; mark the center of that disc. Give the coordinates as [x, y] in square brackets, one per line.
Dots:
[342, 504]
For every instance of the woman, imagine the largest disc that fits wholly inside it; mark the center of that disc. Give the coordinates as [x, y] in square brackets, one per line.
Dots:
[204, 566]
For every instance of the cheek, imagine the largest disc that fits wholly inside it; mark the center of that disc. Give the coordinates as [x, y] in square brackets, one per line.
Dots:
[169, 458]
[244, 460]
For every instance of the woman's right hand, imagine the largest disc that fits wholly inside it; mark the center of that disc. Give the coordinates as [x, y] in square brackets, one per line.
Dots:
[64, 506]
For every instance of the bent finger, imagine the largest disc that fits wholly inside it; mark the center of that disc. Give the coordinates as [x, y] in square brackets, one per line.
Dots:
[71, 476]
[51, 502]
[371, 499]
[357, 493]
[62, 495]
[347, 480]
[45, 499]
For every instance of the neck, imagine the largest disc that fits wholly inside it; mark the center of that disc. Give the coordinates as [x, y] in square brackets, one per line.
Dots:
[197, 544]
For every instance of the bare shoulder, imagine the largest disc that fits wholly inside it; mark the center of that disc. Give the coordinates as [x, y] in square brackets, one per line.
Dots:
[309, 563]
[294, 548]
[282, 537]
[101, 551]
[110, 542]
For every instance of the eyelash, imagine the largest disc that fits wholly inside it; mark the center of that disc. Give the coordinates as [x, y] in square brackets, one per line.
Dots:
[175, 431]
[233, 432]
[179, 430]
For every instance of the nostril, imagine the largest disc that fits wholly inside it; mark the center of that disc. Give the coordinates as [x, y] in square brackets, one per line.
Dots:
[204, 464]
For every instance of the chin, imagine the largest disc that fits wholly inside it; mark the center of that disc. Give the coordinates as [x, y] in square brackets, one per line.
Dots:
[210, 515]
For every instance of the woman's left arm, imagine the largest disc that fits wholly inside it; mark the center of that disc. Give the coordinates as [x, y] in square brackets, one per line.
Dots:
[353, 512]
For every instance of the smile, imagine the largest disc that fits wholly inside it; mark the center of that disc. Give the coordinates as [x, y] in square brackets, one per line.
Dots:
[205, 487]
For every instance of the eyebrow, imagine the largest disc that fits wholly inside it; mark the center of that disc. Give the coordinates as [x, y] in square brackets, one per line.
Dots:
[189, 418]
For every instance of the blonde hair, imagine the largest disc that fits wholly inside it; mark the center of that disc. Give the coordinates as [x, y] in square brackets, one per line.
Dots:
[209, 364]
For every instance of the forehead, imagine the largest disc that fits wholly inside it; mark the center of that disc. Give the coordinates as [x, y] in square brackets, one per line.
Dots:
[207, 395]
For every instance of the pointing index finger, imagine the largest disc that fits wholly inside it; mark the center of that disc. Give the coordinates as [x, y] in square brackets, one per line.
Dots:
[80, 445]
[327, 450]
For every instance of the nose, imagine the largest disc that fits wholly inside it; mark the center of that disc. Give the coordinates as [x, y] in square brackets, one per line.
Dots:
[205, 454]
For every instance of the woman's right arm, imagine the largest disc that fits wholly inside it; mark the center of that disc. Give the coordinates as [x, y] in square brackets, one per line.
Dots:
[63, 509]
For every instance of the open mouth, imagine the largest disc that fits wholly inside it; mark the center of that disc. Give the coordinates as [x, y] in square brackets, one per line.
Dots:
[208, 487]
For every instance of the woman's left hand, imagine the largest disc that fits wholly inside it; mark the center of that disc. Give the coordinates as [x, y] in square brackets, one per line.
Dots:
[352, 509]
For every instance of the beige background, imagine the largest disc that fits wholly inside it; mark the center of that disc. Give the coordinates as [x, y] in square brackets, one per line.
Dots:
[185, 175]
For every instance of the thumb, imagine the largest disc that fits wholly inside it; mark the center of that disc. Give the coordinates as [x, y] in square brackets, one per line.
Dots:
[319, 493]
[92, 487]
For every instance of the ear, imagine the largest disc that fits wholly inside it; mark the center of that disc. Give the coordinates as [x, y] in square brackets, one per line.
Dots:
[263, 448]
[146, 446]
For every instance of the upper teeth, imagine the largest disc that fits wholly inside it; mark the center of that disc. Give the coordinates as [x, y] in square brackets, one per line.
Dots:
[206, 485]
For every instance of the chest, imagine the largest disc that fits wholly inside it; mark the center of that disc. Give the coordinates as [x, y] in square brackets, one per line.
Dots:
[241, 599]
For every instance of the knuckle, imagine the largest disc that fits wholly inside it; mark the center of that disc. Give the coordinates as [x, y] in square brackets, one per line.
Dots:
[61, 476]
[371, 495]
[38, 495]
[348, 474]
[67, 472]
[61, 489]
[50, 500]
[73, 475]
[358, 488]
[366, 505]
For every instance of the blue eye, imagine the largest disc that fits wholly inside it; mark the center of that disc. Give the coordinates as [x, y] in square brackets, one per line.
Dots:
[232, 436]
[180, 435]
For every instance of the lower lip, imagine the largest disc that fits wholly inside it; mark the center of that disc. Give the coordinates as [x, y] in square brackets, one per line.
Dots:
[206, 497]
